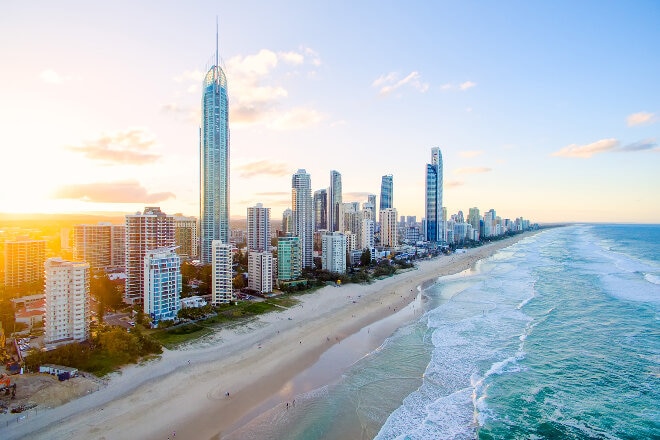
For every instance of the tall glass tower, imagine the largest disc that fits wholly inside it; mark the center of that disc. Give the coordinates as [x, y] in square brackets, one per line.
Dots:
[334, 202]
[303, 215]
[386, 190]
[214, 161]
[433, 205]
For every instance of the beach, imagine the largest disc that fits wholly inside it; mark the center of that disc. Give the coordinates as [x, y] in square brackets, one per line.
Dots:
[207, 388]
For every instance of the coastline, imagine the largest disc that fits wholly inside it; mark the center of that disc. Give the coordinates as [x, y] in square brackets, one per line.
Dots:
[185, 390]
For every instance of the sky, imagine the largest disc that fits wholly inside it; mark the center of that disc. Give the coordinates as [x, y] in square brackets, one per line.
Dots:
[546, 110]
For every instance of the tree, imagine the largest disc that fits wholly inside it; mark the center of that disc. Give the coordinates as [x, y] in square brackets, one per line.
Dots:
[238, 282]
[7, 317]
[365, 258]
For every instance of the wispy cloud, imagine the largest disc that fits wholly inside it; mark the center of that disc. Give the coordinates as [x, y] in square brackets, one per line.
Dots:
[641, 118]
[264, 168]
[111, 192]
[453, 183]
[467, 85]
[605, 146]
[473, 170]
[295, 119]
[121, 147]
[470, 154]
[52, 77]
[386, 84]
[588, 150]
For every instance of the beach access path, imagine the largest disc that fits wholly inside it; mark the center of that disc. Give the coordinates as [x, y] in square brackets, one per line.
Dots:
[183, 393]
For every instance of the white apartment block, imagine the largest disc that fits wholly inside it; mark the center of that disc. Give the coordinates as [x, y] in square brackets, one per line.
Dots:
[333, 252]
[258, 228]
[367, 233]
[67, 301]
[221, 258]
[388, 228]
[162, 284]
[260, 271]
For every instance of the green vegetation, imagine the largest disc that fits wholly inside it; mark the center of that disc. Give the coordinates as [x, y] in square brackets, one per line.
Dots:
[106, 352]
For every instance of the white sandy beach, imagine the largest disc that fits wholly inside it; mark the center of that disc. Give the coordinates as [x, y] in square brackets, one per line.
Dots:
[184, 391]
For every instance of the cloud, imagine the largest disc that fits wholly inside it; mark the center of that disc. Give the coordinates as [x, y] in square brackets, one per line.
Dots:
[390, 82]
[264, 168]
[51, 77]
[588, 150]
[470, 154]
[473, 170]
[121, 147]
[190, 75]
[641, 118]
[647, 144]
[467, 85]
[453, 183]
[111, 192]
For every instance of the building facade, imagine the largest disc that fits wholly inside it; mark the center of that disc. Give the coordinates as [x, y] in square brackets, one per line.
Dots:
[320, 210]
[103, 246]
[222, 288]
[186, 236]
[260, 271]
[162, 284]
[68, 311]
[433, 206]
[333, 252]
[147, 231]
[386, 192]
[334, 202]
[214, 161]
[24, 263]
[303, 215]
[388, 228]
[289, 258]
[258, 228]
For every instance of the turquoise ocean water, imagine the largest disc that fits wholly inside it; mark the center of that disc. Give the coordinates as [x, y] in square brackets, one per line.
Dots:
[555, 337]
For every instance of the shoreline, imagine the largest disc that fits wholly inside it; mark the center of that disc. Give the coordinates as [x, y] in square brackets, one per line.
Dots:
[185, 389]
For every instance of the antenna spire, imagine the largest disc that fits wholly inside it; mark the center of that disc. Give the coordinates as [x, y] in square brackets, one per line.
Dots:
[216, 40]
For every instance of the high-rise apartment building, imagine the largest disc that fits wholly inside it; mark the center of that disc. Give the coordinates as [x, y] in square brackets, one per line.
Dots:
[333, 252]
[388, 228]
[147, 231]
[474, 218]
[103, 246]
[320, 210]
[68, 310]
[222, 290]
[186, 236]
[214, 160]
[258, 228]
[289, 258]
[367, 234]
[287, 221]
[24, 263]
[433, 205]
[162, 284]
[351, 217]
[334, 202]
[303, 215]
[260, 271]
[386, 192]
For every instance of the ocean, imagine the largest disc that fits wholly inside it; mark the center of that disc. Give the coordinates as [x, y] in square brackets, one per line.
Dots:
[555, 337]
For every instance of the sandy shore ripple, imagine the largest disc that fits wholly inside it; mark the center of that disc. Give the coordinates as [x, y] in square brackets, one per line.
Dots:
[183, 393]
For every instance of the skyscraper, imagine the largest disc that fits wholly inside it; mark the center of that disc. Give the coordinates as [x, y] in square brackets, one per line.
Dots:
[333, 253]
[214, 160]
[288, 258]
[162, 284]
[388, 228]
[186, 233]
[320, 210]
[433, 205]
[258, 228]
[303, 215]
[222, 290]
[386, 192]
[24, 263]
[334, 202]
[102, 245]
